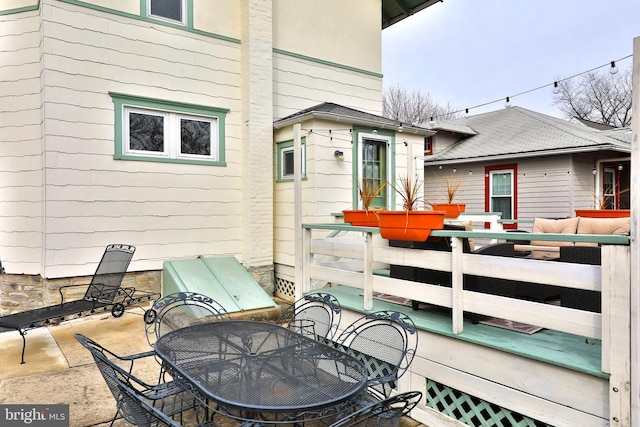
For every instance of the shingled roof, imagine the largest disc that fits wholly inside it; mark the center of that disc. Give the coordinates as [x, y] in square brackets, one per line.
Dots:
[516, 132]
[339, 113]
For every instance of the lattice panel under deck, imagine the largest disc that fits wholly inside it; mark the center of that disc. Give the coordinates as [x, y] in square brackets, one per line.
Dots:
[285, 289]
[472, 410]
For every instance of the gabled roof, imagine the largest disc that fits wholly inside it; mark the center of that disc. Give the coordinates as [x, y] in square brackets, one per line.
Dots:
[396, 10]
[516, 132]
[339, 113]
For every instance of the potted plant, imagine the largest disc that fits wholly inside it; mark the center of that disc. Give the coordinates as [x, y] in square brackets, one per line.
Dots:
[410, 224]
[365, 217]
[452, 209]
[602, 212]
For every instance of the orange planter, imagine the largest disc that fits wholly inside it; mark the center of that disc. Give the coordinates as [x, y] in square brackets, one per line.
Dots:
[361, 217]
[412, 225]
[603, 213]
[452, 210]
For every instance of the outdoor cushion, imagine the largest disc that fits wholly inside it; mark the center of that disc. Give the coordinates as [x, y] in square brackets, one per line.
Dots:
[603, 226]
[557, 226]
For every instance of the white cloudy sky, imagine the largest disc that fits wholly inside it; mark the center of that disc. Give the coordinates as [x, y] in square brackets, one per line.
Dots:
[469, 52]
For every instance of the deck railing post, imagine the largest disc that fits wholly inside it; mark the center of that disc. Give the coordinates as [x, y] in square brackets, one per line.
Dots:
[368, 271]
[457, 306]
[616, 331]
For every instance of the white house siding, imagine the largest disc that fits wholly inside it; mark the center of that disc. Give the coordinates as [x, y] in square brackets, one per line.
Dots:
[21, 195]
[167, 210]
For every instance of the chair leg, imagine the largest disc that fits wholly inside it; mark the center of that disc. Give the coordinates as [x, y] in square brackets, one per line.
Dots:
[24, 344]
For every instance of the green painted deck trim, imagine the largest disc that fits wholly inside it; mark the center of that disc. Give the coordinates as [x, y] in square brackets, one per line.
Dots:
[556, 348]
[608, 239]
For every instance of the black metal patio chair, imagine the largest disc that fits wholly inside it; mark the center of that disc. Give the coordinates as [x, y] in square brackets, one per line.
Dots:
[181, 309]
[103, 293]
[321, 309]
[168, 397]
[383, 413]
[386, 341]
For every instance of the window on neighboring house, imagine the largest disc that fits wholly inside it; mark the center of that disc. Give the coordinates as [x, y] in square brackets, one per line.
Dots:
[286, 160]
[171, 10]
[428, 145]
[500, 188]
[156, 130]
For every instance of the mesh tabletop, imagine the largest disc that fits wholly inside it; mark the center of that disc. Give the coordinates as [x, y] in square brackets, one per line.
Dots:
[261, 367]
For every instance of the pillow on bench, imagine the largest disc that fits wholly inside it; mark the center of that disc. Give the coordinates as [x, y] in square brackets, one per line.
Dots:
[557, 226]
[603, 226]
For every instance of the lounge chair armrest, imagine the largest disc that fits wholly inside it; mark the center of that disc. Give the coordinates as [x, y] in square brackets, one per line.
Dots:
[137, 356]
[66, 287]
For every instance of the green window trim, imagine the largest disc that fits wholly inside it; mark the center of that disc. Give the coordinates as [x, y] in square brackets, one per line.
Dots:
[283, 148]
[122, 101]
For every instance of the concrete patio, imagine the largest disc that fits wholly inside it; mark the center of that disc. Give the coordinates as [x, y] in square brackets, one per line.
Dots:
[58, 370]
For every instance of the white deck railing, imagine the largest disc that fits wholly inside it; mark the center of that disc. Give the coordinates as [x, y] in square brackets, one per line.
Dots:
[612, 279]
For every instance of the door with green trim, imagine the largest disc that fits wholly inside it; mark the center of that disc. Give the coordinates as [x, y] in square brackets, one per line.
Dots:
[374, 168]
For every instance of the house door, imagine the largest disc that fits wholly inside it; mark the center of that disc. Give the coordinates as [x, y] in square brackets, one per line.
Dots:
[373, 168]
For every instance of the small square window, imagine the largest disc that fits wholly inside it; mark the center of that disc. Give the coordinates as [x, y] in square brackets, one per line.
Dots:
[286, 160]
[172, 10]
[428, 145]
[146, 132]
[195, 137]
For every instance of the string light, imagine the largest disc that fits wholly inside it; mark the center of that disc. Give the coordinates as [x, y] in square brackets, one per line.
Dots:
[613, 70]
[507, 103]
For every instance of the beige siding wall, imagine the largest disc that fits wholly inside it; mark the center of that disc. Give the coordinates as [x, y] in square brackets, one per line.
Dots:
[167, 210]
[300, 83]
[21, 196]
[217, 17]
[7, 5]
[343, 32]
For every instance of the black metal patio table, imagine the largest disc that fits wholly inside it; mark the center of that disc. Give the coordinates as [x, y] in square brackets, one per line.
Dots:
[248, 370]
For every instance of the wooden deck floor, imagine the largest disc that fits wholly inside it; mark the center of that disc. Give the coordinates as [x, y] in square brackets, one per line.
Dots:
[566, 350]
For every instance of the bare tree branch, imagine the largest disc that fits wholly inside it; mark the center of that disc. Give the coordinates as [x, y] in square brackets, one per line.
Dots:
[413, 107]
[597, 97]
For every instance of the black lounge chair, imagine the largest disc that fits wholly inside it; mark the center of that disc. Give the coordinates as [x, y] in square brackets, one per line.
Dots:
[103, 293]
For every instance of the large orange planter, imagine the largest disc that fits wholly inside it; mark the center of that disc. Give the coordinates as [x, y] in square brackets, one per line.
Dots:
[452, 210]
[412, 225]
[603, 213]
[361, 217]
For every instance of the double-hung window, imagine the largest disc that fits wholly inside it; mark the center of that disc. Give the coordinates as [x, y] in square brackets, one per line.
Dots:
[501, 194]
[156, 130]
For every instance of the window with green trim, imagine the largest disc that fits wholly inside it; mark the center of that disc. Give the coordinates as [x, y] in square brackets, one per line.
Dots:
[156, 130]
[286, 160]
[168, 10]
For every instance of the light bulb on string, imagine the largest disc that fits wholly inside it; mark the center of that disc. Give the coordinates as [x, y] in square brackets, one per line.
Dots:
[507, 103]
[556, 88]
[466, 112]
[613, 69]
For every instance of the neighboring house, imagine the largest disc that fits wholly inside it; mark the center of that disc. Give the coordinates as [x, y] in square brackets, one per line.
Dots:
[527, 164]
[150, 122]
